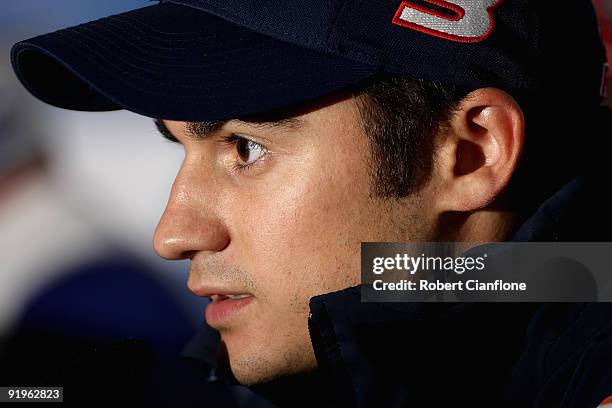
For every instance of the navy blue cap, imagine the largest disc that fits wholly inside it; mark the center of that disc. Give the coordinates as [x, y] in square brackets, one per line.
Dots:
[221, 59]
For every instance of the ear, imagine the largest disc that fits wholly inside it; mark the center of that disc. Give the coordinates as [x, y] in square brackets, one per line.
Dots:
[478, 156]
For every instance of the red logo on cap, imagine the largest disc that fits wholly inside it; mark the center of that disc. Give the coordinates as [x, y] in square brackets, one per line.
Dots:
[462, 20]
[606, 403]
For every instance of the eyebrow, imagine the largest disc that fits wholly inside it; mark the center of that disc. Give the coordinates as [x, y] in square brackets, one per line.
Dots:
[202, 130]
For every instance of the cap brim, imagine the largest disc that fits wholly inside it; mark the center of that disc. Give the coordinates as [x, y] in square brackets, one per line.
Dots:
[175, 62]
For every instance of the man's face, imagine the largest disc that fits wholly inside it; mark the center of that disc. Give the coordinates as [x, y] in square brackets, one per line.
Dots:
[281, 219]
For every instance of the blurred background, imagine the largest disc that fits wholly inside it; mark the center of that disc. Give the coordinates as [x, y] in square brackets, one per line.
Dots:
[80, 195]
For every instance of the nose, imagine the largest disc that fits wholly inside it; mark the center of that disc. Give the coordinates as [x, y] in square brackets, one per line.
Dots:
[190, 223]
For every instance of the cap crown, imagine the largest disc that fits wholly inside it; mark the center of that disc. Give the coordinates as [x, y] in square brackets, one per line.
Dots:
[513, 44]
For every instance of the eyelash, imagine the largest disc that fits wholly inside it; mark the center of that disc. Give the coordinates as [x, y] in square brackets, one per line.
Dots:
[233, 140]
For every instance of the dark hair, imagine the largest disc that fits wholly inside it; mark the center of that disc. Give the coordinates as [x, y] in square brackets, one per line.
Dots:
[402, 117]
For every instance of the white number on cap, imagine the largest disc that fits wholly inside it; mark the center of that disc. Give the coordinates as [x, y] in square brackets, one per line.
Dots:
[464, 20]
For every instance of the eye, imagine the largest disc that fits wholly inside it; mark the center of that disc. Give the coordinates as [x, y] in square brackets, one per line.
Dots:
[248, 150]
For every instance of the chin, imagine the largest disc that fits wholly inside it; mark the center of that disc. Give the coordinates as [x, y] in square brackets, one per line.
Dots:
[252, 372]
[264, 364]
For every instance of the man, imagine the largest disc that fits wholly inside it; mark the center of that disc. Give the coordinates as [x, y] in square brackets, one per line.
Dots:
[310, 128]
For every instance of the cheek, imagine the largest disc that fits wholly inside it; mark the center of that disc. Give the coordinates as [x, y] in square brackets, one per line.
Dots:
[301, 232]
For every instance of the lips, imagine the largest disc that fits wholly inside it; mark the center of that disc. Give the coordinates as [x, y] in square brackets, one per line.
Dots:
[224, 306]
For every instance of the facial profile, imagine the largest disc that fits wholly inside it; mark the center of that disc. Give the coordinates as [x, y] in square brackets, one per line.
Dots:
[271, 214]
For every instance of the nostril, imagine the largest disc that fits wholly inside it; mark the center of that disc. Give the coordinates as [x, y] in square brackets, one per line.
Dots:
[189, 255]
[224, 244]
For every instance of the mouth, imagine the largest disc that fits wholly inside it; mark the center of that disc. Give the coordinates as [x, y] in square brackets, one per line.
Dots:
[225, 306]
[214, 298]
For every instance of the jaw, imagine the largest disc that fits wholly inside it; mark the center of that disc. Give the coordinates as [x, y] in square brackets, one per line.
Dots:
[257, 356]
